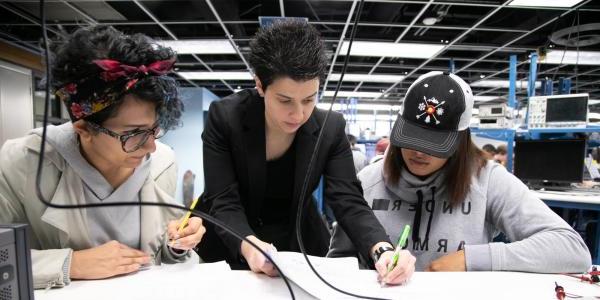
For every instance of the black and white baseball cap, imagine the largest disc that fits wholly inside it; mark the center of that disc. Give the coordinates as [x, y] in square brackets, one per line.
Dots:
[436, 108]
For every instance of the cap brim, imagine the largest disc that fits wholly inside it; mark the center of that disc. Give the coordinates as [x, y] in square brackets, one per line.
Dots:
[433, 142]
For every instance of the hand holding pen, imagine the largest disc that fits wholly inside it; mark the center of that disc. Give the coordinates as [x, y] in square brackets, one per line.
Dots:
[185, 234]
[398, 266]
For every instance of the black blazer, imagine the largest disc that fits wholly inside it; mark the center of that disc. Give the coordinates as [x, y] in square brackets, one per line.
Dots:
[235, 174]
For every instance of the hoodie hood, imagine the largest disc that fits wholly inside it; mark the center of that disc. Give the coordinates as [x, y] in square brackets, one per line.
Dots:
[64, 139]
[408, 185]
[419, 194]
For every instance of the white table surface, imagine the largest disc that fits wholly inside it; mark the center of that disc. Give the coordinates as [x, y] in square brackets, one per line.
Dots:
[569, 196]
[210, 282]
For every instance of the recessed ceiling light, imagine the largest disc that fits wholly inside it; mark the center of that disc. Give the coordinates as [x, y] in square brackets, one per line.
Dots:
[429, 21]
[545, 3]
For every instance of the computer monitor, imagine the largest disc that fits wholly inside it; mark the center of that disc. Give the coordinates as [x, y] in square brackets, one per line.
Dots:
[550, 162]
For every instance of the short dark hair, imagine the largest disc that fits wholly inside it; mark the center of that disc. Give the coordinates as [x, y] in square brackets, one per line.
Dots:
[73, 58]
[459, 169]
[501, 149]
[489, 148]
[288, 48]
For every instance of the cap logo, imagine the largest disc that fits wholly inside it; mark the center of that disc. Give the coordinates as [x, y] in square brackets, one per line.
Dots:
[430, 108]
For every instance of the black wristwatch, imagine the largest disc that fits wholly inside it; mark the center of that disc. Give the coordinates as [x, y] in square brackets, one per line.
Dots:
[379, 251]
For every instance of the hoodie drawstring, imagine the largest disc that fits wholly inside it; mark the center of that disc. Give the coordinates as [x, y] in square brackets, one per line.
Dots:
[431, 213]
[417, 219]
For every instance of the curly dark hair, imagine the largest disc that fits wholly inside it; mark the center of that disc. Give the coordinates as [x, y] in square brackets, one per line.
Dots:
[72, 61]
[288, 48]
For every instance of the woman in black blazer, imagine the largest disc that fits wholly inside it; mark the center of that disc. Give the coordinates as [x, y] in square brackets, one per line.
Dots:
[257, 146]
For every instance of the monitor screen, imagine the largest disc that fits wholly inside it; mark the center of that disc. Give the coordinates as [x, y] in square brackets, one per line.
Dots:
[567, 109]
[550, 160]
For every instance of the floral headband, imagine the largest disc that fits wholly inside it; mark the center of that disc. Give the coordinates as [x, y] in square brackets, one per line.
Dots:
[94, 94]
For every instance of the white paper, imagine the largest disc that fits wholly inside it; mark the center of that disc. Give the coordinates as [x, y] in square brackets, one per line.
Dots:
[334, 270]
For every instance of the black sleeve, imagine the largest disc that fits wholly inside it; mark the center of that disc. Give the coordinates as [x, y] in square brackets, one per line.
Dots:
[221, 186]
[344, 194]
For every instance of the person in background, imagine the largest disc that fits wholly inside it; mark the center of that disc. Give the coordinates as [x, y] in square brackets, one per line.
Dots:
[380, 148]
[500, 156]
[257, 147]
[489, 151]
[434, 178]
[120, 101]
[187, 187]
[360, 159]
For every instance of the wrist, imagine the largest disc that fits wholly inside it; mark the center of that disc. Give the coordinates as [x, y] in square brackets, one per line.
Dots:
[73, 269]
[246, 248]
[379, 249]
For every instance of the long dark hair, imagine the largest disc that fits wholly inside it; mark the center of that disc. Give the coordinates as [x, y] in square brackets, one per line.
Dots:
[459, 169]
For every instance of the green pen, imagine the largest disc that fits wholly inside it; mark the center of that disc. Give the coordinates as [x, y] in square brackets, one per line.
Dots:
[401, 243]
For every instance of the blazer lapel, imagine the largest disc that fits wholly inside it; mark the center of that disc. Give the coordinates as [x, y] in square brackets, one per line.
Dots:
[255, 151]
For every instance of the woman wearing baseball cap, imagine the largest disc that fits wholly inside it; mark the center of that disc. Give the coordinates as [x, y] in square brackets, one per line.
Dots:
[120, 100]
[434, 178]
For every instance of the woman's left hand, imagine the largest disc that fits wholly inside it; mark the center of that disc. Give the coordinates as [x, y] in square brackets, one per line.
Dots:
[189, 237]
[453, 262]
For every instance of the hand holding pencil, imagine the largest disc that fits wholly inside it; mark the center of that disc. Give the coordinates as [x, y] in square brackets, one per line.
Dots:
[398, 266]
[186, 233]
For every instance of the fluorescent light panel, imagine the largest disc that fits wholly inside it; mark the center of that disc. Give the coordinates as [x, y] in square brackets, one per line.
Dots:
[361, 106]
[406, 50]
[368, 78]
[491, 83]
[571, 57]
[545, 3]
[246, 76]
[216, 75]
[353, 94]
[485, 98]
[200, 46]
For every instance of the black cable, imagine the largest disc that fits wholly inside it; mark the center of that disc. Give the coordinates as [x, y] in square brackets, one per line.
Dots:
[38, 179]
[564, 50]
[313, 157]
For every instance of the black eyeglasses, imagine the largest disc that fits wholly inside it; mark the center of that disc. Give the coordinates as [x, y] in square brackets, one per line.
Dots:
[130, 142]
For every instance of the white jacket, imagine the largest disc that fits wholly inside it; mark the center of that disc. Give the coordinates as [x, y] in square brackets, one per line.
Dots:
[56, 233]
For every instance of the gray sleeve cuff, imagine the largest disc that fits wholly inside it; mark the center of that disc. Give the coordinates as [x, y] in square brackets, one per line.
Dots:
[478, 257]
[66, 269]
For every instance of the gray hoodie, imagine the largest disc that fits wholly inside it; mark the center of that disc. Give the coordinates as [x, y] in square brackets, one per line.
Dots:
[497, 202]
[107, 223]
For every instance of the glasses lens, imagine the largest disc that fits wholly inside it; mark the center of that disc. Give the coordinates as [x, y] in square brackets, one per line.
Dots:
[136, 141]
[159, 132]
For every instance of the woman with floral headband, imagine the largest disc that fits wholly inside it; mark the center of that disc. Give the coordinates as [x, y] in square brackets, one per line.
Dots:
[120, 101]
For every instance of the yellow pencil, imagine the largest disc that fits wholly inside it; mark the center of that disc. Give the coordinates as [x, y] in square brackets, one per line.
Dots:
[186, 218]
